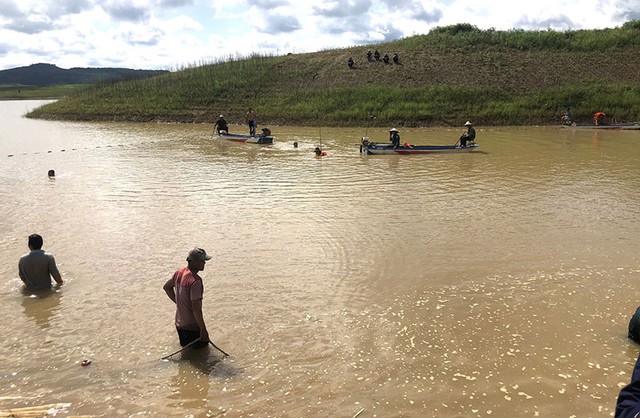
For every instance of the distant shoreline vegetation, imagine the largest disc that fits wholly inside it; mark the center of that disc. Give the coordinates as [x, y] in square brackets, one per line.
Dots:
[453, 74]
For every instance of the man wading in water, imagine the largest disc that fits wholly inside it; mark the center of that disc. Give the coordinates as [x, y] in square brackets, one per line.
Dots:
[186, 290]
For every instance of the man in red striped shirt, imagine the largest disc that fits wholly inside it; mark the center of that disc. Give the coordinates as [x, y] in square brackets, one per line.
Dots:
[185, 289]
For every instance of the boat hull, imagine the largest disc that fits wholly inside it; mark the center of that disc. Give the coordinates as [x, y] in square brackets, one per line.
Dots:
[374, 149]
[257, 139]
[613, 126]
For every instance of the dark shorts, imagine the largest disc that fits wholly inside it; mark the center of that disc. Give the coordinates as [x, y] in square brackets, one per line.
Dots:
[187, 335]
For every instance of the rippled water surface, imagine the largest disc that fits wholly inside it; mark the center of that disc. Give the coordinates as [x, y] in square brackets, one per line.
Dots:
[498, 283]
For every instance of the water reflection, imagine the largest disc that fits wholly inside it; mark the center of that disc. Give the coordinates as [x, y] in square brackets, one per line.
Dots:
[41, 306]
[481, 284]
[191, 384]
[197, 370]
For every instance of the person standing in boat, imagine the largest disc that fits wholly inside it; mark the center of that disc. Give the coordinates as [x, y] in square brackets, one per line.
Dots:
[250, 117]
[469, 136]
[221, 125]
[38, 267]
[394, 137]
[186, 290]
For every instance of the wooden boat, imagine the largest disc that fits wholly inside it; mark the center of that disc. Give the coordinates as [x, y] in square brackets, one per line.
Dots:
[251, 139]
[371, 148]
[611, 126]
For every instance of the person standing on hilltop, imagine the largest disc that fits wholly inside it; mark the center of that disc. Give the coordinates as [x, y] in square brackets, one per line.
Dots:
[250, 117]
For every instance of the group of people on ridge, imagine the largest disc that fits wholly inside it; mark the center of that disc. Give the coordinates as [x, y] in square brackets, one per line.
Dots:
[375, 56]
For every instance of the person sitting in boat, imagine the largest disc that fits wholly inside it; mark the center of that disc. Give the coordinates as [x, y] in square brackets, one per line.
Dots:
[221, 125]
[394, 137]
[469, 136]
[567, 118]
[266, 132]
[598, 118]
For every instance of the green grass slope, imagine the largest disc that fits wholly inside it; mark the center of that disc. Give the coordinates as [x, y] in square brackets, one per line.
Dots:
[450, 75]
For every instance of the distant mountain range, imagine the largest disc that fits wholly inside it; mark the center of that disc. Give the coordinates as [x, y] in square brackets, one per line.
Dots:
[49, 74]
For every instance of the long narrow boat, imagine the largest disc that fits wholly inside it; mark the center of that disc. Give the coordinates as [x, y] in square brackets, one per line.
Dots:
[250, 139]
[611, 126]
[371, 148]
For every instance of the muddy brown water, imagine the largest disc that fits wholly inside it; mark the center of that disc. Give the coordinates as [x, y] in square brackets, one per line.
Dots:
[498, 283]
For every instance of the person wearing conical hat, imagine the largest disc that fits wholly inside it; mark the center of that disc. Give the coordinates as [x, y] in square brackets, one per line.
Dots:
[469, 136]
[221, 125]
[394, 137]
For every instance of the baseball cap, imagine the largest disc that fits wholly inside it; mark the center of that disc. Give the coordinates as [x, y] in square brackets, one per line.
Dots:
[198, 254]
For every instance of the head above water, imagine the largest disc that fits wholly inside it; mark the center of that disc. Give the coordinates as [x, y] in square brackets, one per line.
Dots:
[35, 241]
[51, 173]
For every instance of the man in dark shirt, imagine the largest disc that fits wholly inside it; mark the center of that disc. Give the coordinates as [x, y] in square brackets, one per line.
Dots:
[221, 125]
[394, 137]
[37, 267]
[469, 136]
[628, 404]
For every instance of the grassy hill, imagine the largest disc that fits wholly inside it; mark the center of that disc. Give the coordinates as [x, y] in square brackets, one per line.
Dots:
[450, 75]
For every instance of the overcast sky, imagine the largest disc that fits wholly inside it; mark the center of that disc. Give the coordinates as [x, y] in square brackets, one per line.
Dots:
[169, 34]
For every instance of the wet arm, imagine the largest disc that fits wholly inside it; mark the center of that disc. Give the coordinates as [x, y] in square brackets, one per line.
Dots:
[197, 314]
[57, 277]
[168, 288]
[21, 273]
[53, 270]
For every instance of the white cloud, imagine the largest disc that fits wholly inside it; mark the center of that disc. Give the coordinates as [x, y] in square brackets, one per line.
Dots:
[169, 33]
